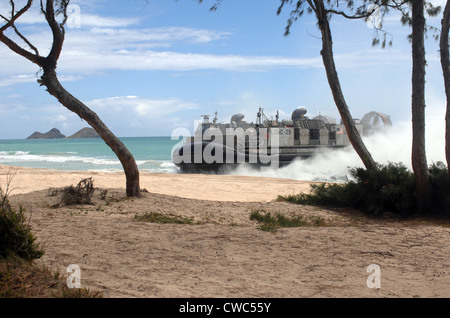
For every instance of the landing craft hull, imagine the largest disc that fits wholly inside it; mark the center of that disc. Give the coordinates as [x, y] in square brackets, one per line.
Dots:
[191, 157]
[212, 157]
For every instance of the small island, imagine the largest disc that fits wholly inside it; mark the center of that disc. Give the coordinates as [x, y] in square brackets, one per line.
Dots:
[51, 134]
[85, 133]
[54, 133]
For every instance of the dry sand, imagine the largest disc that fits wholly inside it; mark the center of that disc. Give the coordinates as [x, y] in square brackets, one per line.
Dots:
[226, 254]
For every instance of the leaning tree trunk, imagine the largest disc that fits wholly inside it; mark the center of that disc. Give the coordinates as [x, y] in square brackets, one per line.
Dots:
[54, 87]
[333, 81]
[418, 156]
[445, 62]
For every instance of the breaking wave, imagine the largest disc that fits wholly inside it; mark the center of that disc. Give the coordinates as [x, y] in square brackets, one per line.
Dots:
[70, 161]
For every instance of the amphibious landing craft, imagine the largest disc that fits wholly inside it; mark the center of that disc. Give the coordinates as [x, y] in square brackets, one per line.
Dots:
[266, 142]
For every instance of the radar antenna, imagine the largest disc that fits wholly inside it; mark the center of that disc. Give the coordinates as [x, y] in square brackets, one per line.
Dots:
[261, 117]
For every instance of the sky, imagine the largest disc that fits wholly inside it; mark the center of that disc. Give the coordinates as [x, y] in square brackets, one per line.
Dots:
[150, 67]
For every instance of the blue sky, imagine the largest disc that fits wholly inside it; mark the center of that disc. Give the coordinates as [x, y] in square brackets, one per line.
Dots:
[149, 68]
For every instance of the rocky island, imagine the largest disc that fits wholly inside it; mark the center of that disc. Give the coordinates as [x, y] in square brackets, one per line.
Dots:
[85, 133]
[51, 134]
[56, 134]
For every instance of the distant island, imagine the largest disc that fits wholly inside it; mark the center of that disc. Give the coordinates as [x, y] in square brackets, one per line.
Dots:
[85, 133]
[51, 134]
[56, 134]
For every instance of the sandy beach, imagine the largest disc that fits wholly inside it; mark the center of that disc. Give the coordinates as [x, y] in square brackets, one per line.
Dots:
[224, 253]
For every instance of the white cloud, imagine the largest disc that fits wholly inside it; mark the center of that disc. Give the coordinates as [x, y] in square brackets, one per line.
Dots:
[142, 107]
[91, 20]
[17, 79]
[28, 78]
[134, 116]
[60, 118]
[153, 36]
[76, 13]
[175, 61]
[10, 107]
[106, 43]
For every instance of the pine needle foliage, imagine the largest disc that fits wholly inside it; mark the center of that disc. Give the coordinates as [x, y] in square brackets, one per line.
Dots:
[389, 188]
[16, 237]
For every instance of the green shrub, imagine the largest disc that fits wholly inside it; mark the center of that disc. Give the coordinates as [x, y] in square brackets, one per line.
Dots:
[325, 194]
[440, 189]
[16, 237]
[389, 188]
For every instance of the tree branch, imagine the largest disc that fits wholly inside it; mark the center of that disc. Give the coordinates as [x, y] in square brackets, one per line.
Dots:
[14, 17]
[312, 6]
[345, 15]
[26, 40]
[57, 30]
[13, 46]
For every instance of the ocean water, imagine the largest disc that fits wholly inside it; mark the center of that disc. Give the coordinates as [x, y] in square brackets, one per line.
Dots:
[152, 154]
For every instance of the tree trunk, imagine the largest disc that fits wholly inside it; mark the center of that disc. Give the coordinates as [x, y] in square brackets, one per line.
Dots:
[54, 87]
[333, 81]
[418, 158]
[445, 62]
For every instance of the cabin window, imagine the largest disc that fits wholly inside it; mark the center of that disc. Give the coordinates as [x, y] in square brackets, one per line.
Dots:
[296, 133]
[314, 134]
[332, 135]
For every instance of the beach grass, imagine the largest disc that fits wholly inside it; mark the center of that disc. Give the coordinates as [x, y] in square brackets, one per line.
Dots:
[271, 222]
[20, 278]
[154, 217]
